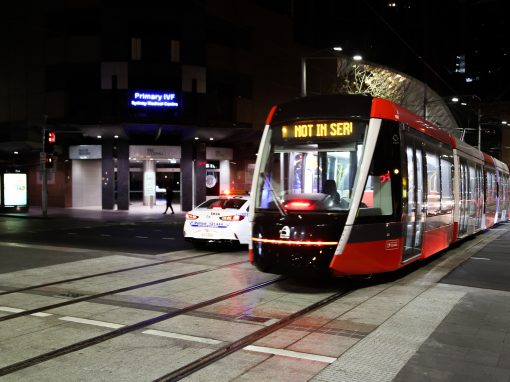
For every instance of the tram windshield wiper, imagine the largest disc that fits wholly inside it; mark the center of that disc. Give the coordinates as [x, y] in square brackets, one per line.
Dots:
[276, 200]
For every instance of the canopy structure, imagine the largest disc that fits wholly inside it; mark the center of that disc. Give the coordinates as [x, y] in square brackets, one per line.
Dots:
[378, 81]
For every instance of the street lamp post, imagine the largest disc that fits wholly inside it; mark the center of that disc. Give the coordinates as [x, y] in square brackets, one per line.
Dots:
[479, 128]
[303, 76]
[478, 116]
[44, 173]
[303, 65]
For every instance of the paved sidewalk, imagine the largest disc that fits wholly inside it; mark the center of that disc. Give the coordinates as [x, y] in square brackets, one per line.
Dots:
[446, 321]
[455, 328]
[136, 212]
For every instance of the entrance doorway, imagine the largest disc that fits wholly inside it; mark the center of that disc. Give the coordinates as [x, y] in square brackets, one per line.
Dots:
[167, 173]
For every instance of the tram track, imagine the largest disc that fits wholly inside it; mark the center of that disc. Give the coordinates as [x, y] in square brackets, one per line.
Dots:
[115, 291]
[126, 329]
[247, 340]
[79, 278]
[204, 361]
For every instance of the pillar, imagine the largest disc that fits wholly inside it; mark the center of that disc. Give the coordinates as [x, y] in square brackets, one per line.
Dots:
[186, 176]
[149, 182]
[193, 172]
[107, 176]
[122, 175]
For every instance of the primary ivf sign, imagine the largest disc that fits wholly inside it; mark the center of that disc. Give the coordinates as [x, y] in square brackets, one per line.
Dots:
[152, 99]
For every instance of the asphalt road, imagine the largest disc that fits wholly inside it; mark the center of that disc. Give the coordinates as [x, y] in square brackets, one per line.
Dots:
[139, 237]
[31, 243]
[145, 238]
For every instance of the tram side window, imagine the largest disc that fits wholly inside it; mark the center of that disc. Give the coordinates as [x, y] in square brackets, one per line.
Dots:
[377, 199]
[507, 193]
[478, 193]
[472, 194]
[433, 182]
[504, 192]
[491, 191]
[464, 189]
[446, 183]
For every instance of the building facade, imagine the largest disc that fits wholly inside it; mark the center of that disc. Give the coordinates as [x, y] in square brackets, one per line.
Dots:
[141, 96]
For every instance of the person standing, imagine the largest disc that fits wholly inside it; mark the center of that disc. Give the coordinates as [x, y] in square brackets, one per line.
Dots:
[168, 196]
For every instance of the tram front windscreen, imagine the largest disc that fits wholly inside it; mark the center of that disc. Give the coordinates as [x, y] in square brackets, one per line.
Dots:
[311, 165]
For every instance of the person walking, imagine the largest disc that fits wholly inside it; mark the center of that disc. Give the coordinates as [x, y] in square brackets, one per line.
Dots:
[169, 199]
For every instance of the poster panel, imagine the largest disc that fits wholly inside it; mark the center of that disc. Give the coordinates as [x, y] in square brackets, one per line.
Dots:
[15, 190]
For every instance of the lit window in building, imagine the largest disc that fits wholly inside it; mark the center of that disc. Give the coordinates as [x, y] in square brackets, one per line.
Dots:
[175, 51]
[193, 79]
[136, 49]
[114, 75]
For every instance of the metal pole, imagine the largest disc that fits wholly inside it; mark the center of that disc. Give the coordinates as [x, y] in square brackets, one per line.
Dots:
[479, 130]
[193, 196]
[303, 76]
[44, 180]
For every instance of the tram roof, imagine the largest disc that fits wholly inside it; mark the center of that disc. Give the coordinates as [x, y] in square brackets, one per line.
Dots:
[383, 108]
[501, 165]
[352, 106]
[357, 106]
[467, 149]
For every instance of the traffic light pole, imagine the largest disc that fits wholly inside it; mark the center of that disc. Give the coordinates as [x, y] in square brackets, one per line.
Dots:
[44, 180]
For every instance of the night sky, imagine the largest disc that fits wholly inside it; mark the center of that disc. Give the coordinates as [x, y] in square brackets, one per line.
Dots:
[422, 38]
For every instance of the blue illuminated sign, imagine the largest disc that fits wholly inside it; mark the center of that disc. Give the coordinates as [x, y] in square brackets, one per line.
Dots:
[152, 99]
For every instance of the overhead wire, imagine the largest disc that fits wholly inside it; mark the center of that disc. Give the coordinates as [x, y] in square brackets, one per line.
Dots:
[427, 65]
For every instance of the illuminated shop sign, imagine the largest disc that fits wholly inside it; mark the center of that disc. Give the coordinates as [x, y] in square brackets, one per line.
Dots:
[85, 152]
[318, 129]
[153, 99]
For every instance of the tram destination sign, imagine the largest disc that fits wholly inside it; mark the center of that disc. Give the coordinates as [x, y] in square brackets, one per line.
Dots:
[318, 129]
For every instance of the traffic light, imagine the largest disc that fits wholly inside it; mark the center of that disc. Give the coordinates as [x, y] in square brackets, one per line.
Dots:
[49, 141]
[49, 160]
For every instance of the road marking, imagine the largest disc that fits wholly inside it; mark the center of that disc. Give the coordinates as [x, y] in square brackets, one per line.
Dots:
[182, 337]
[142, 237]
[160, 333]
[168, 238]
[105, 235]
[11, 310]
[16, 310]
[71, 233]
[480, 258]
[41, 314]
[290, 353]
[92, 322]
[271, 321]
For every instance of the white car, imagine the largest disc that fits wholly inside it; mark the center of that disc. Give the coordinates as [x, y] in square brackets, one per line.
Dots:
[223, 219]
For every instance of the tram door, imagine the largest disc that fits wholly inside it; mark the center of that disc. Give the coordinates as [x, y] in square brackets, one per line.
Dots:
[414, 217]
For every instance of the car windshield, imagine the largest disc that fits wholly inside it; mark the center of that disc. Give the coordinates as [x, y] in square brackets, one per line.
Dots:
[233, 203]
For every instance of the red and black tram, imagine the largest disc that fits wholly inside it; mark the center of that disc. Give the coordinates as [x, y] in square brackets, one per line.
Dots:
[356, 185]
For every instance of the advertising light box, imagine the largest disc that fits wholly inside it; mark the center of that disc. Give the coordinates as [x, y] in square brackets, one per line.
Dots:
[15, 190]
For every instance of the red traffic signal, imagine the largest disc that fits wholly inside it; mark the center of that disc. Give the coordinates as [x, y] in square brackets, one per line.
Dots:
[49, 141]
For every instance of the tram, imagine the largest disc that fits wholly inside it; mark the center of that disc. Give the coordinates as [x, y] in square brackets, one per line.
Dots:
[356, 185]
